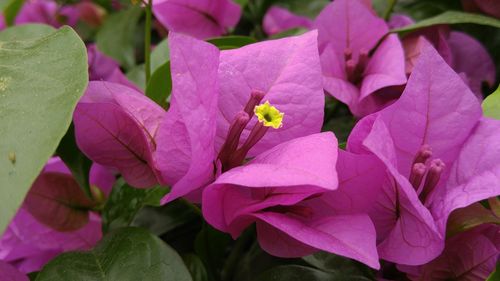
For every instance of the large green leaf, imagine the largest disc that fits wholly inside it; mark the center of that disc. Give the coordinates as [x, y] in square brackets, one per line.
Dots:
[116, 36]
[491, 105]
[450, 17]
[338, 265]
[26, 32]
[125, 201]
[128, 254]
[40, 82]
[195, 267]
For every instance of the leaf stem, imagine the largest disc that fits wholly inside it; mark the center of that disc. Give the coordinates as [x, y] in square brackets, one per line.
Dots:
[147, 41]
[390, 9]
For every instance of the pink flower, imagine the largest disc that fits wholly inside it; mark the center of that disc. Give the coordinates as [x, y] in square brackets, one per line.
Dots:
[104, 68]
[279, 19]
[281, 190]
[47, 12]
[199, 18]
[437, 154]
[28, 244]
[10, 273]
[356, 70]
[462, 52]
[470, 255]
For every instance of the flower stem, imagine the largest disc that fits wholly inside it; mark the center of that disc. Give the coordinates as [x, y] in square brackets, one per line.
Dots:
[147, 43]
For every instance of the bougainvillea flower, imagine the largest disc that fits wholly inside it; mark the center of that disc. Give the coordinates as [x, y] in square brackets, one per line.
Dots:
[287, 72]
[279, 19]
[28, 244]
[490, 7]
[10, 273]
[116, 126]
[284, 74]
[470, 255]
[201, 19]
[47, 12]
[356, 69]
[104, 68]
[462, 52]
[280, 190]
[439, 154]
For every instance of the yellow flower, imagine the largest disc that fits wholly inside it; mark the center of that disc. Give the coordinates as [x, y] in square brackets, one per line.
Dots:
[269, 115]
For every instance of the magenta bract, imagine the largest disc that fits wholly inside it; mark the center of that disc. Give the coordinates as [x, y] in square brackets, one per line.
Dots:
[432, 143]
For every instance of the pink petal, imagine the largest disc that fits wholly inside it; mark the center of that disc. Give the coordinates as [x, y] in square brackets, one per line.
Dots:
[297, 169]
[406, 230]
[185, 152]
[352, 236]
[279, 19]
[199, 18]
[102, 177]
[475, 174]
[104, 68]
[31, 244]
[303, 161]
[115, 126]
[385, 68]
[471, 255]
[344, 23]
[360, 181]
[436, 109]
[471, 58]
[288, 71]
[10, 273]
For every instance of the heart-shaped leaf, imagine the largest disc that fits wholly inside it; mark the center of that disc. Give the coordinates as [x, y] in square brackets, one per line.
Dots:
[26, 32]
[128, 254]
[40, 82]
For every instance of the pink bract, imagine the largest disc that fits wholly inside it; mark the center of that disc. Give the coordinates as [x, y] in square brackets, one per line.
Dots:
[201, 19]
[279, 19]
[351, 73]
[436, 129]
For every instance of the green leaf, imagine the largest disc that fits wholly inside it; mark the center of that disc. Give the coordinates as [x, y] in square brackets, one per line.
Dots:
[211, 246]
[231, 42]
[125, 201]
[491, 105]
[166, 218]
[137, 75]
[300, 273]
[128, 254]
[116, 36]
[77, 162]
[26, 32]
[195, 267]
[160, 55]
[338, 265]
[160, 85]
[450, 17]
[40, 84]
[466, 218]
[10, 9]
[288, 33]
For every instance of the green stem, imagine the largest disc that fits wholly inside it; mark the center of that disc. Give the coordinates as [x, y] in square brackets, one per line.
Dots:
[147, 43]
[390, 9]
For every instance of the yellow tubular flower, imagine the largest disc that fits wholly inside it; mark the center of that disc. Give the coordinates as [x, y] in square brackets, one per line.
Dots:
[269, 115]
